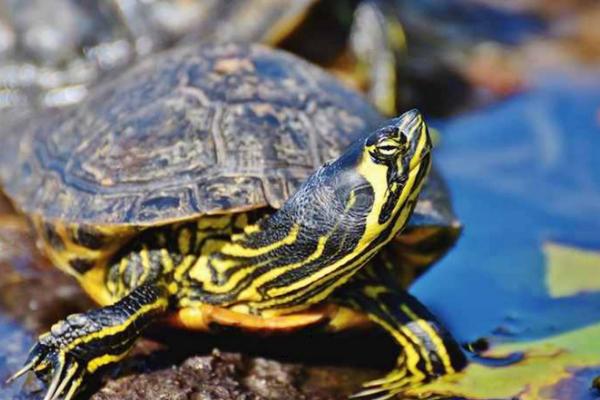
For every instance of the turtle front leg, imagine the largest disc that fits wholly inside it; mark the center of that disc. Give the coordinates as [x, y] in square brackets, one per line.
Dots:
[427, 351]
[82, 343]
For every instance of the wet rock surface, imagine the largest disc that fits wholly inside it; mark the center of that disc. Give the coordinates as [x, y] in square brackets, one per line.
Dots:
[233, 376]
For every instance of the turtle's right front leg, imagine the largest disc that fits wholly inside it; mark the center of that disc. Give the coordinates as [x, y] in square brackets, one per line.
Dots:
[82, 343]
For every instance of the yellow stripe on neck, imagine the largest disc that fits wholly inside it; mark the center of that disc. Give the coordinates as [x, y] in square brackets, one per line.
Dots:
[238, 250]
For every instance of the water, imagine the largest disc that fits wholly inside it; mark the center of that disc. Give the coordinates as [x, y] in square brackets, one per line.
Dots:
[522, 173]
[525, 176]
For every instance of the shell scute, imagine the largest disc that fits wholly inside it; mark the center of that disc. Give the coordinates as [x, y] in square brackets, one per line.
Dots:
[198, 130]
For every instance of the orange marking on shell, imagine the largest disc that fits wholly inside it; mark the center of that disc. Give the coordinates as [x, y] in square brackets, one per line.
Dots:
[228, 66]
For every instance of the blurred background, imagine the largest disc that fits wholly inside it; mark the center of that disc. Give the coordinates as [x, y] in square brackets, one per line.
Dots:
[512, 88]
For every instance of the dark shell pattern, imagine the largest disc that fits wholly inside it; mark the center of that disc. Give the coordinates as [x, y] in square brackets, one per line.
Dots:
[203, 129]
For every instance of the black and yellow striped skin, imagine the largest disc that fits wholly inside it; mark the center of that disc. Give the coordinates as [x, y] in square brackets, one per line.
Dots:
[339, 219]
[83, 343]
[310, 261]
[428, 349]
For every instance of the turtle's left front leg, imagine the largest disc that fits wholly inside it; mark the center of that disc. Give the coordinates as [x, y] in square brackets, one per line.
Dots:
[427, 350]
[82, 343]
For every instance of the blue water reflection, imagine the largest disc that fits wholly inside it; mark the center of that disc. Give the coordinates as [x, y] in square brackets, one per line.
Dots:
[521, 173]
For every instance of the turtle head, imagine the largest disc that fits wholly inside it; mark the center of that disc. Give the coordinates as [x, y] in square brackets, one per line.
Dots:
[395, 161]
[336, 221]
[401, 144]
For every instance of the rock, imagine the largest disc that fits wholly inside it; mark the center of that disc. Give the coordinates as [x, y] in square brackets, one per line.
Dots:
[224, 376]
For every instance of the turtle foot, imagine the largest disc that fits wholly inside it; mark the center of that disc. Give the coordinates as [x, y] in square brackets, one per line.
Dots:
[387, 387]
[56, 366]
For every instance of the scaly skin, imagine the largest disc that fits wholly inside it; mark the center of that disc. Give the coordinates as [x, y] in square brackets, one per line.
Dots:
[427, 351]
[283, 264]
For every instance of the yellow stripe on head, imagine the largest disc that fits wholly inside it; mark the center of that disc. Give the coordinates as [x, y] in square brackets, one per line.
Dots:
[395, 162]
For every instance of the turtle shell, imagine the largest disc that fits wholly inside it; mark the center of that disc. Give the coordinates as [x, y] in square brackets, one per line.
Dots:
[197, 130]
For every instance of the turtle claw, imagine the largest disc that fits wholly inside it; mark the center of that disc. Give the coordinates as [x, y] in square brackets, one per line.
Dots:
[374, 394]
[69, 382]
[387, 387]
[29, 366]
[82, 343]
[34, 362]
[63, 372]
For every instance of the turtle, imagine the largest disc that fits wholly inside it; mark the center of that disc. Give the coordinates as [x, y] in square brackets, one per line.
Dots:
[230, 185]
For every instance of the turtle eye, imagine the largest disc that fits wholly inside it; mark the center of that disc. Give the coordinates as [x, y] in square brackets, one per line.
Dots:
[388, 147]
